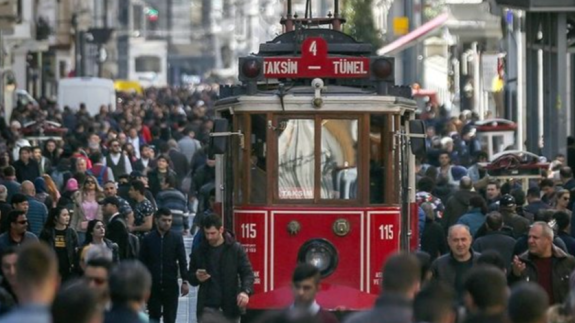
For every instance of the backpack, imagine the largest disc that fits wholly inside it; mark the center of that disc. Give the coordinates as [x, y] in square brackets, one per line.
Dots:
[186, 183]
[100, 176]
[132, 245]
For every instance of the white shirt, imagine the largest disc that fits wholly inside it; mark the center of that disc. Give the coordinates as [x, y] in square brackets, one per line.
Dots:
[136, 143]
[313, 309]
[116, 159]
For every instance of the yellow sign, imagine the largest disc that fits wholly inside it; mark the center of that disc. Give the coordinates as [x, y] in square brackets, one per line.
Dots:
[400, 26]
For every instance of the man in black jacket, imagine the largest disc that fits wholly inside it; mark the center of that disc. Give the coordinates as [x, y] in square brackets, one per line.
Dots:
[452, 267]
[27, 169]
[458, 203]
[163, 251]
[495, 238]
[220, 266]
[117, 229]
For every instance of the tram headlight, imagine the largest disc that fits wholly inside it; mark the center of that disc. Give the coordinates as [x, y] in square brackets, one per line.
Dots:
[382, 69]
[320, 253]
[250, 68]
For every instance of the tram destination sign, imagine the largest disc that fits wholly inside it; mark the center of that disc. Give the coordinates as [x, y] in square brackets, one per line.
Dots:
[315, 62]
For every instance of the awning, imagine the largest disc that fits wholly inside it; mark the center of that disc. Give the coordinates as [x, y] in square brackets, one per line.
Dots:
[420, 33]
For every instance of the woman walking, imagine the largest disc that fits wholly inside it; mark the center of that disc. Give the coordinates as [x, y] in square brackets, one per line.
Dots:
[63, 239]
[86, 207]
[96, 236]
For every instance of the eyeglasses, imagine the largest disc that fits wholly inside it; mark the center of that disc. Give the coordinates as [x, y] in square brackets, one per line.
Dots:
[23, 222]
[90, 182]
[97, 280]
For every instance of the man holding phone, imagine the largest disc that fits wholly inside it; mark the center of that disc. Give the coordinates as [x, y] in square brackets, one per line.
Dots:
[217, 264]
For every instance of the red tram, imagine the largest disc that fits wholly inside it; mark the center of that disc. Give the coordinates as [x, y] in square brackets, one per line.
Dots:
[315, 163]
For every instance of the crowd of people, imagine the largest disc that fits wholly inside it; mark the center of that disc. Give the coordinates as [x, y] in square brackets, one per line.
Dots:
[103, 207]
[92, 225]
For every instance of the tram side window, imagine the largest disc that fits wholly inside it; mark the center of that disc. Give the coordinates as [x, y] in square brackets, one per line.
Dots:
[339, 139]
[258, 186]
[377, 156]
[296, 159]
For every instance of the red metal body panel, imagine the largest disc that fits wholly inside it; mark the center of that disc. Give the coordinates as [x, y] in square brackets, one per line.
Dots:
[373, 236]
[414, 225]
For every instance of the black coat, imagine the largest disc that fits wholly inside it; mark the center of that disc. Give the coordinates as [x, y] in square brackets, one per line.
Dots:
[180, 163]
[164, 255]
[72, 244]
[154, 180]
[498, 241]
[433, 239]
[117, 232]
[26, 172]
[456, 206]
[444, 268]
[563, 266]
[121, 314]
[236, 272]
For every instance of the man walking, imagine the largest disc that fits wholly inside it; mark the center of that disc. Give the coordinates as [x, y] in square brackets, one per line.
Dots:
[452, 267]
[163, 252]
[544, 263]
[220, 266]
[305, 286]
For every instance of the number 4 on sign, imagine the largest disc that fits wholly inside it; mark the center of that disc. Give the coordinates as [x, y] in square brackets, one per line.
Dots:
[313, 48]
[386, 231]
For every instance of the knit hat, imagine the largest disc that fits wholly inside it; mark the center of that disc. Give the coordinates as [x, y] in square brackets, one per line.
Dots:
[72, 185]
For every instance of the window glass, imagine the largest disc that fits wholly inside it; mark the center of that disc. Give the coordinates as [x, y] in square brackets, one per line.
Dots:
[295, 158]
[148, 64]
[258, 189]
[339, 158]
[376, 159]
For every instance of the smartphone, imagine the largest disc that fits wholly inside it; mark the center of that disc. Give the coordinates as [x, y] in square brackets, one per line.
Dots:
[202, 271]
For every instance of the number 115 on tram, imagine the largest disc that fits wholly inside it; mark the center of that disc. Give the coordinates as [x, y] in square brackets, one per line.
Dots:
[315, 163]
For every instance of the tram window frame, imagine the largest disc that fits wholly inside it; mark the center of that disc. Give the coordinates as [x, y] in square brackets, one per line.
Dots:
[388, 158]
[240, 177]
[262, 162]
[357, 151]
[277, 119]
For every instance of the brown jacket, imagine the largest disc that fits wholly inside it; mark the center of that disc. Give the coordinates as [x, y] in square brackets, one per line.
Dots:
[563, 265]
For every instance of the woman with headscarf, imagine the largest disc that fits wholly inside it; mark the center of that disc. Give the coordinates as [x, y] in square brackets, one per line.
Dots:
[41, 193]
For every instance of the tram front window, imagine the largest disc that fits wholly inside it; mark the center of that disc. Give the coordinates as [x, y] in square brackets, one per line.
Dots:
[339, 158]
[296, 159]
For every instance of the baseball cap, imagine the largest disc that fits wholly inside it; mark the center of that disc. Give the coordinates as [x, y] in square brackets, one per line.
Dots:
[507, 200]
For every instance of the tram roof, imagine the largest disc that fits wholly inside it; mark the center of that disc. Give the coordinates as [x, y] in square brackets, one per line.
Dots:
[335, 98]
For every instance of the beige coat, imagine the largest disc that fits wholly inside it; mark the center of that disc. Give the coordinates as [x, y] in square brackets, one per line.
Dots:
[78, 220]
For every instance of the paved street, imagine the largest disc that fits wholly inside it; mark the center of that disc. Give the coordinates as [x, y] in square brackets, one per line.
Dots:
[187, 305]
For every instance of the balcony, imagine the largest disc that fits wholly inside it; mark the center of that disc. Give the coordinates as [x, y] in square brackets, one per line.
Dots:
[539, 5]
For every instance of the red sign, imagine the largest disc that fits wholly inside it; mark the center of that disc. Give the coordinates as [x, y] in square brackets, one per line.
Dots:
[251, 231]
[314, 62]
